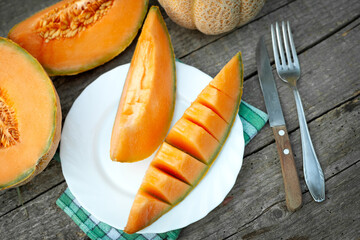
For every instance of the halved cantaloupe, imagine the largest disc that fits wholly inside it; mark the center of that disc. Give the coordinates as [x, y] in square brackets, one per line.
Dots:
[147, 102]
[184, 136]
[73, 36]
[30, 116]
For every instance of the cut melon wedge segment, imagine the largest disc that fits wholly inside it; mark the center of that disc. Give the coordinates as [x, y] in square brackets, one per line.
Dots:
[145, 210]
[163, 186]
[207, 119]
[192, 139]
[232, 70]
[218, 101]
[178, 164]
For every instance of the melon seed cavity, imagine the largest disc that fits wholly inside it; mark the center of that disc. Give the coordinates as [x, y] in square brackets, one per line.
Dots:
[9, 132]
[72, 18]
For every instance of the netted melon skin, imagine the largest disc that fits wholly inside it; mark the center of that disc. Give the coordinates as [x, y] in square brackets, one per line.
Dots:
[212, 17]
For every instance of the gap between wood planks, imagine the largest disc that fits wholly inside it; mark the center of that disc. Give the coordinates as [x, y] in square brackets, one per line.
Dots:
[31, 199]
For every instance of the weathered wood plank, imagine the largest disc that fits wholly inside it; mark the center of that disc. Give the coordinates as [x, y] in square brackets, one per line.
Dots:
[50, 177]
[313, 221]
[45, 220]
[307, 30]
[259, 186]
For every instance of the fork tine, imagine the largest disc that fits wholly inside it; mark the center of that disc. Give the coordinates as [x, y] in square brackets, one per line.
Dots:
[293, 50]
[276, 53]
[280, 45]
[286, 43]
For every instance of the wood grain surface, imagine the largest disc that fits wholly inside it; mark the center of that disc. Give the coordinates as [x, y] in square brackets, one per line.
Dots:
[326, 35]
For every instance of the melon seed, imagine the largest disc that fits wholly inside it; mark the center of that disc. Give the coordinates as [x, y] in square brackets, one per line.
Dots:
[72, 18]
[9, 131]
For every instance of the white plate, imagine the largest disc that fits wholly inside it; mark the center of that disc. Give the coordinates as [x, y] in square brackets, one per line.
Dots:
[106, 188]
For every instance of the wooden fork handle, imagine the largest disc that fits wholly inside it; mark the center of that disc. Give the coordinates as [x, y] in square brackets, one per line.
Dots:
[293, 193]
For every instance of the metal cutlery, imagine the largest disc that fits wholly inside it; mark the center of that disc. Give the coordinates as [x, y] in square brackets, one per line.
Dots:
[288, 69]
[293, 193]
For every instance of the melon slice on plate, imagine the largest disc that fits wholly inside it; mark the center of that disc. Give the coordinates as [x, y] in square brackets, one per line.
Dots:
[193, 138]
[148, 99]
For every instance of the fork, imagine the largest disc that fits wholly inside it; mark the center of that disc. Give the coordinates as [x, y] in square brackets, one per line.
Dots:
[289, 71]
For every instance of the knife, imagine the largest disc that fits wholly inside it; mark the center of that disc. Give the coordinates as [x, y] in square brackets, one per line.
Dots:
[293, 193]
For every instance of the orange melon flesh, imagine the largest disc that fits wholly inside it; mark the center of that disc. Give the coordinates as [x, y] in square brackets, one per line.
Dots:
[231, 71]
[147, 102]
[217, 101]
[207, 119]
[178, 164]
[192, 139]
[27, 92]
[163, 186]
[98, 43]
[145, 210]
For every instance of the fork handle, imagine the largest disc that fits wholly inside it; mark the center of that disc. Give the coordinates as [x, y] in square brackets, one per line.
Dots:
[293, 193]
[313, 173]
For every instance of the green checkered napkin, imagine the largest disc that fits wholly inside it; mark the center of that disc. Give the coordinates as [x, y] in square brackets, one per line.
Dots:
[252, 120]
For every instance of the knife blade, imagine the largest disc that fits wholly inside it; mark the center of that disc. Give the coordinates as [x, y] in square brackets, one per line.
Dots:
[292, 188]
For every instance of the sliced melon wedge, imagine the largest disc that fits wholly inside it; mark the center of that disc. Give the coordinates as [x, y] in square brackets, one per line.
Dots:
[190, 141]
[147, 102]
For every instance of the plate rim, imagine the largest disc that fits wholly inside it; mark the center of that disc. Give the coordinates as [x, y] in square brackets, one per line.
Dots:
[242, 144]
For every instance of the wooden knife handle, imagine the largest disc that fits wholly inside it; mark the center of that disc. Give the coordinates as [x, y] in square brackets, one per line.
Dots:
[293, 193]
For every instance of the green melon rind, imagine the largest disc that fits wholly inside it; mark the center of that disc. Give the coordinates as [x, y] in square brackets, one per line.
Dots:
[231, 123]
[28, 173]
[217, 151]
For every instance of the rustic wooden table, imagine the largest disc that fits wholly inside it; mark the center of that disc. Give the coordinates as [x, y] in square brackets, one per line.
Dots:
[326, 34]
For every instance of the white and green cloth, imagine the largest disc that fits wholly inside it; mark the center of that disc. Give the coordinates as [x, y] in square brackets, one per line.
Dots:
[252, 120]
